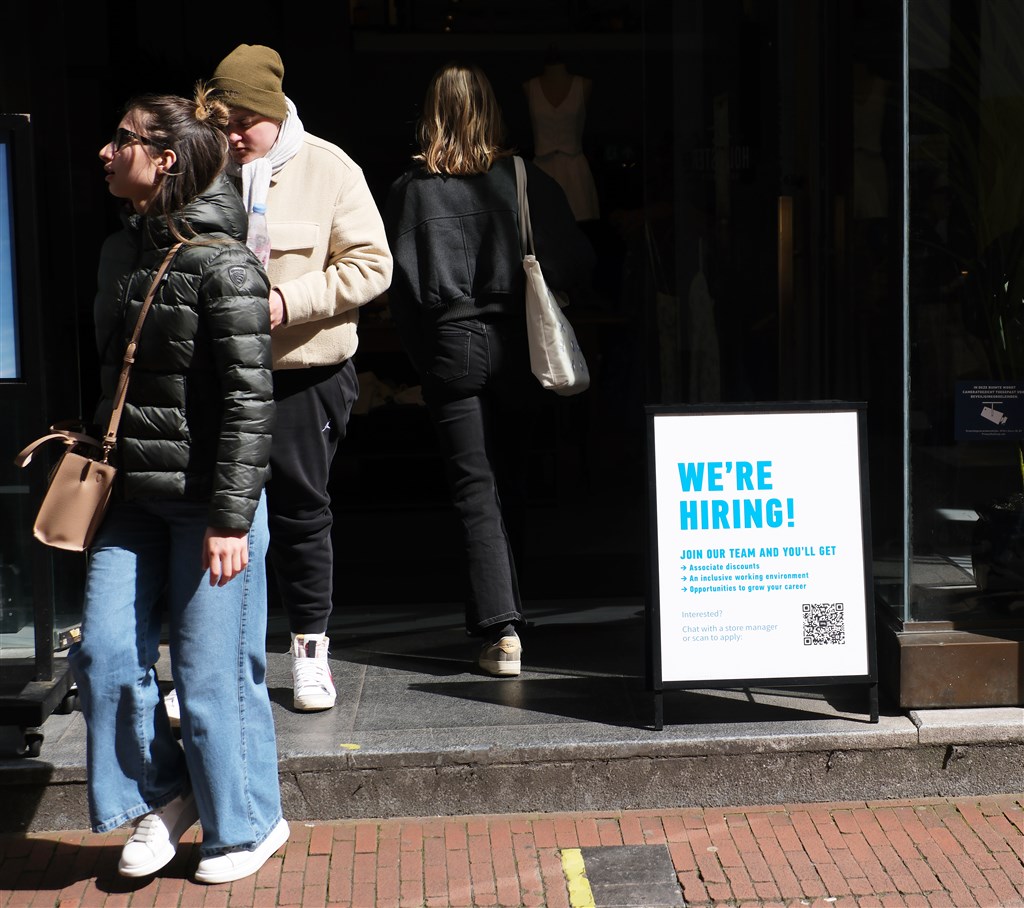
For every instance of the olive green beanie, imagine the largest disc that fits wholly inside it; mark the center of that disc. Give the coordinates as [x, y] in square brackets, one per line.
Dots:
[250, 77]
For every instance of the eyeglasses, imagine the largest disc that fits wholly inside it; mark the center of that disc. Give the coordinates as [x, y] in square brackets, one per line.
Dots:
[124, 137]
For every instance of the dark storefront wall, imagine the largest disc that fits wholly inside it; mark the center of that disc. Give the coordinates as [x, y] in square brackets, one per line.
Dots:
[748, 157]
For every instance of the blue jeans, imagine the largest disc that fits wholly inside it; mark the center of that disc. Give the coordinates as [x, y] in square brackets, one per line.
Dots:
[147, 557]
[478, 387]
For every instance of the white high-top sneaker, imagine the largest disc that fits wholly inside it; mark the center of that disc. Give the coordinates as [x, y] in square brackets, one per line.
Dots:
[313, 686]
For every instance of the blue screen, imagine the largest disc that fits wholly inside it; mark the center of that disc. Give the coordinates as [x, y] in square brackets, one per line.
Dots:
[9, 358]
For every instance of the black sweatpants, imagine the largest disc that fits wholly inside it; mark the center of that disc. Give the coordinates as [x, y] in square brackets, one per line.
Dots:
[313, 407]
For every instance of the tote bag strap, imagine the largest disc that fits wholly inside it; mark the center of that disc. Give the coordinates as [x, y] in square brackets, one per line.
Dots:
[525, 228]
[110, 439]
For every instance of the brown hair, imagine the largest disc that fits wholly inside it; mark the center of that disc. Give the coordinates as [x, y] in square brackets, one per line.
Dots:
[460, 130]
[194, 131]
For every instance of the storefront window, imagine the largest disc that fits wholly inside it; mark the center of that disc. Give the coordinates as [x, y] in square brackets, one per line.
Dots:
[39, 591]
[966, 297]
[17, 643]
[774, 219]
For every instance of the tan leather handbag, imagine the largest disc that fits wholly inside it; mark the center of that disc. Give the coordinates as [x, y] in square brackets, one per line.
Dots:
[81, 483]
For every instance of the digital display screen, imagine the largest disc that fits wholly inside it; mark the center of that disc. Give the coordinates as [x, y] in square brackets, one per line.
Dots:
[10, 360]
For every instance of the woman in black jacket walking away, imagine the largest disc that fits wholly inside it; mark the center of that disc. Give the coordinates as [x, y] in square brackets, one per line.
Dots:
[187, 529]
[458, 300]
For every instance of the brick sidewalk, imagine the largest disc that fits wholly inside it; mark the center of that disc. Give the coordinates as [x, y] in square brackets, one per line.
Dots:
[937, 852]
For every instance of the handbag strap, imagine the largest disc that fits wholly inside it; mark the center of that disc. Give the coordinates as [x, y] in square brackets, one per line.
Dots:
[69, 438]
[110, 439]
[525, 228]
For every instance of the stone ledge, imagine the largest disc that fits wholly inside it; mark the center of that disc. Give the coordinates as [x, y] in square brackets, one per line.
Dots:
[970, 726]
[323, 789]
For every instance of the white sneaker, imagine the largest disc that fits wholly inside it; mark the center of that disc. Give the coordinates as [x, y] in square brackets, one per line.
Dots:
[313, 686]
[172, 708]
[223, 868]
[155, 839]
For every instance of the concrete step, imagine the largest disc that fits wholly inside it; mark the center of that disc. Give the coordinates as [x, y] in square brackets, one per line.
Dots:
[418, 732]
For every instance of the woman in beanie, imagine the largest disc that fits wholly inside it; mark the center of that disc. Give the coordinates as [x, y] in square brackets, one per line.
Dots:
[185, 539]
[458, 301]
[329, 256]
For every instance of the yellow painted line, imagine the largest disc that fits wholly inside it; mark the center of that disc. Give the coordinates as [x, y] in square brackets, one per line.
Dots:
[580, 895]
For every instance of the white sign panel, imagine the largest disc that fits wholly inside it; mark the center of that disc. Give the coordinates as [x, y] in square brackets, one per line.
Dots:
[760, 546]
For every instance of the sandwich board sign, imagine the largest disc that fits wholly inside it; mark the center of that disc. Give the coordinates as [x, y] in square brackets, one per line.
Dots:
[760, 548]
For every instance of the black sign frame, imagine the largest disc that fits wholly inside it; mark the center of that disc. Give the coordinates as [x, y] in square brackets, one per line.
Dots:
[655, 681]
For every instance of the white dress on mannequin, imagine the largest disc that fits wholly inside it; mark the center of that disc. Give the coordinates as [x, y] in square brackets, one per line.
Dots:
[558, 145]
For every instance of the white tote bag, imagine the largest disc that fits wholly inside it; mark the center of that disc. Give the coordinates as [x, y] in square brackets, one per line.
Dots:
[555, 355]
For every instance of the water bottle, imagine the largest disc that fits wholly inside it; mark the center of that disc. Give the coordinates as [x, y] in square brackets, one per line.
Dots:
[259, 237]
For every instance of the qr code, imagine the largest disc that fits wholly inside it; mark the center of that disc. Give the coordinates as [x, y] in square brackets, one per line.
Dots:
[824, 624]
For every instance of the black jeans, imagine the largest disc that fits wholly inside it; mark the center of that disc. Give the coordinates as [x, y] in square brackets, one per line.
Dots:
[478, 387]
[313, 407]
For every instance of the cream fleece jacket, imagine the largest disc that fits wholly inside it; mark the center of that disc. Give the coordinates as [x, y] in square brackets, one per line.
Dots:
[329, 254]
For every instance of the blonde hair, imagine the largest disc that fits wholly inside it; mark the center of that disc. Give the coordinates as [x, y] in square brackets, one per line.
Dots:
[460, 130]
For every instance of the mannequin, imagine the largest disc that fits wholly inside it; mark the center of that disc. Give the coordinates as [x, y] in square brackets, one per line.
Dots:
[558, 100]
[556, 82]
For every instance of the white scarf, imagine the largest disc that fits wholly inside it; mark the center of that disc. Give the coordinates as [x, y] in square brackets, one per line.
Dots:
[256, 174]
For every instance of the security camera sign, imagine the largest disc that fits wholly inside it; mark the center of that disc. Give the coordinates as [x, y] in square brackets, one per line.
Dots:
[759, 545]
[989, 411]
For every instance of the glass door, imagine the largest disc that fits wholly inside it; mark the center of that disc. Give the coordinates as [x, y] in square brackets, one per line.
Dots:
[966, 297]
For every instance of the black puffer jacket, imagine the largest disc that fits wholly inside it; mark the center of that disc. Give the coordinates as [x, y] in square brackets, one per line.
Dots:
[199, 412]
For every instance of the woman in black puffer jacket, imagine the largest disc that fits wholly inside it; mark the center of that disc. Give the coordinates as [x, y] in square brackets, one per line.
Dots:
[181, 436]
[185, 538]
